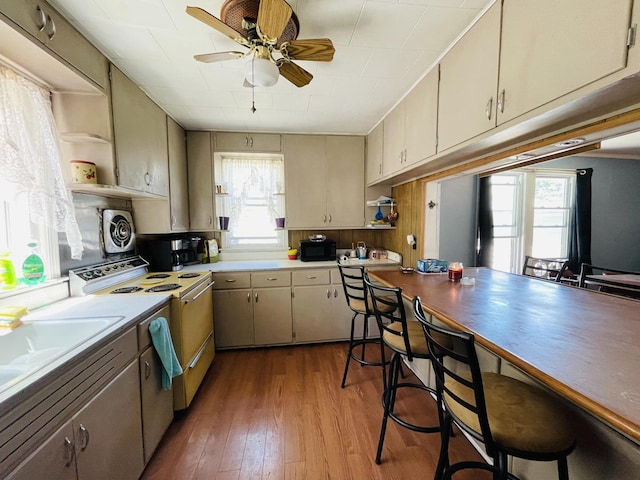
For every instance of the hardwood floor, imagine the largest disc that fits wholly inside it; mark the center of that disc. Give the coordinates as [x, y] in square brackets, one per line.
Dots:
[279, 413]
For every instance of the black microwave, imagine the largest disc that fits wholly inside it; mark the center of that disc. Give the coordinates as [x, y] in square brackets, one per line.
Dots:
[314, 251]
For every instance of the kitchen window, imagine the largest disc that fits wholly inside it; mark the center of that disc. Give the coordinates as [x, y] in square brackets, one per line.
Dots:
[531, 211]
[249, 198]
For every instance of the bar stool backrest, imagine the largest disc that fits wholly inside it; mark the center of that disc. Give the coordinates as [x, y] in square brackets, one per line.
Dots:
[355, 291]
[388, 308]
[455, 363]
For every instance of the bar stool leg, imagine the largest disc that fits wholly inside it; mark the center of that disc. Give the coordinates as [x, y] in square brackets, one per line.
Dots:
[563, 469]
[349, 353]
[388, 399]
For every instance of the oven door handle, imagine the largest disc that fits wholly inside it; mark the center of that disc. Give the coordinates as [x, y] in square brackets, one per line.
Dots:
[203, 290]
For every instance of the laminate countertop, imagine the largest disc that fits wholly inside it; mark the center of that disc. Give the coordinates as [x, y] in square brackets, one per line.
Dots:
[582, 344]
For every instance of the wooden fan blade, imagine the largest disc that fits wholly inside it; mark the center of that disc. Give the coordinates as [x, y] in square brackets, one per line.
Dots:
[218, 56]
[318, 49]
[273, 16]
[208, 19]
[295, 74]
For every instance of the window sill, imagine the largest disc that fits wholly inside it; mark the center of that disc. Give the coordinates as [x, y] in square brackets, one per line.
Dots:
[36, 296]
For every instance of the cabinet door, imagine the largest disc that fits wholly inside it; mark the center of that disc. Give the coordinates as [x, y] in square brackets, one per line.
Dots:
[345, 181]
[305, 180]
[469, 82]
[393, 145]
[54, 460]
[157, 404]
[272, 315]
[31, 17]
[375, 142]
[421, 118]
[312, 316]
[247, 142]
[178, 191]
[108, 431]
[233, 314]
[551, 48]
[340, 314]
[140, 133]
[200, 180]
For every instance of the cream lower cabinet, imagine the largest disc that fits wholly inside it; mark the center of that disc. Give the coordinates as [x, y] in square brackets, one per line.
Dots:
[320, 311]
[247, 316]
[550, 48]
[335, 197]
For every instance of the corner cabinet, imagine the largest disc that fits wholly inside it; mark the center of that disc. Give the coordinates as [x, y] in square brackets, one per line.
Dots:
[324, 181]
[171, 215]
[247, 142]
[552, 48]
[140, 134]
[410, 128]
[469, 82]
[200, 180]
[375, 143]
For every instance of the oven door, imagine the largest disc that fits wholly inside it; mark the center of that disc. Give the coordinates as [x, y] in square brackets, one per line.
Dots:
[196, 322]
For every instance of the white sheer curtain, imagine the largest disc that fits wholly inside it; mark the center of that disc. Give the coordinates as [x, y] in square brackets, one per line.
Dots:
[30, 156]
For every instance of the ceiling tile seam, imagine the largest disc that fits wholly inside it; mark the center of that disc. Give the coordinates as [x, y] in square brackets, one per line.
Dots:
[356, 23]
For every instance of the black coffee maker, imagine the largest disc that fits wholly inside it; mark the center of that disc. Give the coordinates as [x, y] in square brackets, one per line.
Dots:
[169, 254]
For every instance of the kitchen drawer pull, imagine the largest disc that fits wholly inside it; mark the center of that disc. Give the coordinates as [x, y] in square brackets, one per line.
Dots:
[198, 295]
[84, 437]
[312, 277]
[271, 279]
[230, 280]
[196, 359]
[43, 19]
[147, 370]
[69, 452]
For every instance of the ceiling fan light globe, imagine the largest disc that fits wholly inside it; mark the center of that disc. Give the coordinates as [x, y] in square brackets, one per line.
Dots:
[261, 72]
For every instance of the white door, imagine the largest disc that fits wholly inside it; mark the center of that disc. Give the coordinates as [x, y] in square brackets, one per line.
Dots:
[432, 220]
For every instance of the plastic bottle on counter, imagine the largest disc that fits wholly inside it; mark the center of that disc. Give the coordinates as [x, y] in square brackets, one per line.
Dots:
[7, 272]
[33, 266]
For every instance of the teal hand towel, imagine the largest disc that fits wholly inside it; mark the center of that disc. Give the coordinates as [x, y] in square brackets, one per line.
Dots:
[161, 338]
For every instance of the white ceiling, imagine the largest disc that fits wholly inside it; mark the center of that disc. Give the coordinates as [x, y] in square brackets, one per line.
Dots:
[383, 47]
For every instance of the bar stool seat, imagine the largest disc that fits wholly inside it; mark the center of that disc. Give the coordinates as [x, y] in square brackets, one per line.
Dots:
[416, 338]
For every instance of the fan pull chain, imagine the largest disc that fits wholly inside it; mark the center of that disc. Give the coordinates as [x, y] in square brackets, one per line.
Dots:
[253, 87]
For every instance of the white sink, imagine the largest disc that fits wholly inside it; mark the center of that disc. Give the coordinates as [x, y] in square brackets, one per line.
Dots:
[38, 342]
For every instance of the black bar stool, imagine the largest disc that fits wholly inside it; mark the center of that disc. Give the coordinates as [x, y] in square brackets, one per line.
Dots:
[358, 301]
[509, 416]
[405, 339]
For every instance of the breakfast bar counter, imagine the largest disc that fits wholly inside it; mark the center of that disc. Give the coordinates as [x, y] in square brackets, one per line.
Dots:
[581, 344]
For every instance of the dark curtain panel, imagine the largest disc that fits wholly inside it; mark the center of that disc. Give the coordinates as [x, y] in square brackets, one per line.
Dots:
[484, 253]
[580, 226]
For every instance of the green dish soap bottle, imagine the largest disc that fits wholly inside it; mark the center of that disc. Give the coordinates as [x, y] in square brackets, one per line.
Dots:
[7, 272]
[33, 266]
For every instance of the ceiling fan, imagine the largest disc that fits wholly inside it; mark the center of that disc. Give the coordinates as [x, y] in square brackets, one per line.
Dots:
[268, 28]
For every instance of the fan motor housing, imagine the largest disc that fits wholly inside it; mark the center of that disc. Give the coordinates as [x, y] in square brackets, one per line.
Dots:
[233, 12]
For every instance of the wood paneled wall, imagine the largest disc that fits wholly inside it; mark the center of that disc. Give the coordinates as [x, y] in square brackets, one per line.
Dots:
[409, 198]
[343, 238]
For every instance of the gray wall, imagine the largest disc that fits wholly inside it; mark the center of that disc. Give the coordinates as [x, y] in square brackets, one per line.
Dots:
[458, 199]
[615, 209]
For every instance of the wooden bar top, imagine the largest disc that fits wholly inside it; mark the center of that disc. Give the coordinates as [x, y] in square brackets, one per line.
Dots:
[582, 344]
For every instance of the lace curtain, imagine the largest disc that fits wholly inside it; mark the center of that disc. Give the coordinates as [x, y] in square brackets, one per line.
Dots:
[30, 156]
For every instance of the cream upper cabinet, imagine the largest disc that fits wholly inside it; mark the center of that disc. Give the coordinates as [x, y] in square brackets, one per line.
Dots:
[375, 142]
[552, 48]
[200, 181]
[324, 178]
[247, 142]
[171, 215]
[410, 128]
[41, 21]
[469, 82]
[140, 134]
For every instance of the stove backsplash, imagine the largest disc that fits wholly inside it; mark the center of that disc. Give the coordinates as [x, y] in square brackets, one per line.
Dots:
[89, 216]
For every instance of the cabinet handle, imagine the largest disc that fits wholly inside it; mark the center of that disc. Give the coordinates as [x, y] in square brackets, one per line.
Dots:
[405, 155]
[271, 279]
[335, 293]
[380, 168]
[230, 280]
[328, 293]
[52, 31]
[501, 101]
[84, 437]
[324, 219]
[311, 277]
[147, 370]
[488, 109]
[249, 297]
[147, 178]
[329, 218]
[43, 19]
[256, 294]
[196, 359]
[251, 142]
[210, 219]
[69, 452]
[173, 221]
[246, 141]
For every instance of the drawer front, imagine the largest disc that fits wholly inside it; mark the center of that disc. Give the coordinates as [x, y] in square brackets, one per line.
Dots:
[271, 279]
[312, 277]
[226, 281]
[335, 276]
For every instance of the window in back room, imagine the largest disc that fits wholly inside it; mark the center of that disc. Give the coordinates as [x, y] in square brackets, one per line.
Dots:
[249, 198]
[531, 210]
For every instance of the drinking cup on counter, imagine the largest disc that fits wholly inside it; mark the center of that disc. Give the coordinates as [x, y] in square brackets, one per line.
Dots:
[224, 223]
[455, 271]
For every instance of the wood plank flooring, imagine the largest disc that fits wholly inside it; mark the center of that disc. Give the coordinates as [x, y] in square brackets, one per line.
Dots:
[279, 413]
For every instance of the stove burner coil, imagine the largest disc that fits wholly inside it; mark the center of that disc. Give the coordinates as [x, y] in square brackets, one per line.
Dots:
[126, 290]
[189, 275]
[165, 287]
[158, 275]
